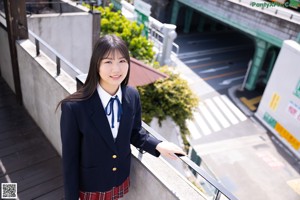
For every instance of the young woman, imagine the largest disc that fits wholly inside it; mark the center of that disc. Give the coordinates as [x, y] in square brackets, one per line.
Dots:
[98, 124]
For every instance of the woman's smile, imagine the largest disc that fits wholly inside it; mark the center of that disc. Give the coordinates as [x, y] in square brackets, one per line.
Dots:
[113, 70]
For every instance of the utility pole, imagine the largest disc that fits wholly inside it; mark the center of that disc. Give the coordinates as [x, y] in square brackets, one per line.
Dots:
[15, 12]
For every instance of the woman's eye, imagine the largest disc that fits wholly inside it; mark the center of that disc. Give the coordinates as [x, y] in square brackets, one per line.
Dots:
[123, 61]
[107, 62]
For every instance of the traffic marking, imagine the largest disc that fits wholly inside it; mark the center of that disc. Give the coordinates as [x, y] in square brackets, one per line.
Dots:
[232, 107]
[213, 123]
[250, 103]
[197, 60]
[213, 115]
[213, 70]
[216, 112]
[193, 130]
[222, 75]
[229, 81]
[202, 124]
[225, 110]
[219, 62]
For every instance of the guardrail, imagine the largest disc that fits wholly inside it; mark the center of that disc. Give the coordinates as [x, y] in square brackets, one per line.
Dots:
[220, 191]
[162, 35]
[58, 57]
[271, 8]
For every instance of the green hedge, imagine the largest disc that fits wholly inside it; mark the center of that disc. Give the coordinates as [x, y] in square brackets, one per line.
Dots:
[114, 22]
[169, 97]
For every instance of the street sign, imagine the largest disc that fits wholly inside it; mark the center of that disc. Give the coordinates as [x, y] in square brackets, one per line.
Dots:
[142, 12]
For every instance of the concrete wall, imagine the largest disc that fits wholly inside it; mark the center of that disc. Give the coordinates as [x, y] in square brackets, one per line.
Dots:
[279, 108]
[151, 178]
[42, 90]
[5, 60]
[249, 19]
[70, 34]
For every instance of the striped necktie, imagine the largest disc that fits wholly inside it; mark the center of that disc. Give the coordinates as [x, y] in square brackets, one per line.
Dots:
[109, 109]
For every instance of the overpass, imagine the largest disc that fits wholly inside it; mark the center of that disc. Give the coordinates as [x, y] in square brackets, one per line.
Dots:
[268, 27]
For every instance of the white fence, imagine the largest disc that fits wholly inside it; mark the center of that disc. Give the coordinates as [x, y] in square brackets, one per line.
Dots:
[162, 35]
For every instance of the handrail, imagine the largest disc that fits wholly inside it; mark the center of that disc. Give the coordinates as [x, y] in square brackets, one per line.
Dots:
[276, 10]
[220, 188]
[59, 57]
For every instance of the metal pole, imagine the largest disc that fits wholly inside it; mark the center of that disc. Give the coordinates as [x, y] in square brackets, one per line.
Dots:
[37, 47]
[246, 76]
[57, 66]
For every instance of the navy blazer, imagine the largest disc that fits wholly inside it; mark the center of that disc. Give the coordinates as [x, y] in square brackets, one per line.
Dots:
[92, 160]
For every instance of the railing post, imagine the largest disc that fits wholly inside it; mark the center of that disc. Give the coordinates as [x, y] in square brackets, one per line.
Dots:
[37, 47]
[218, 195]
[60, 8]
[96, 28]
[170, 34]
[57, 66]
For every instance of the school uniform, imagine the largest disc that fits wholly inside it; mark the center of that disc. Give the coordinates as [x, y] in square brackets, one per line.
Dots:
[93, 160]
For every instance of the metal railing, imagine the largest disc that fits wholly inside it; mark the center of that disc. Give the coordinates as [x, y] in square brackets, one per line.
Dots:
[59, 58]
[220, 191]
[157, 37]
[275, 10]
[159, 33]
[51, 7]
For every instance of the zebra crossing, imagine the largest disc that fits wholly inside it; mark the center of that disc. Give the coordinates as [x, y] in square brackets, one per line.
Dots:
[214, 114]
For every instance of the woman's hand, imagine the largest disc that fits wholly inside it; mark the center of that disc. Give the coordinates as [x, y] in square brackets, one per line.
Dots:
[169, 149]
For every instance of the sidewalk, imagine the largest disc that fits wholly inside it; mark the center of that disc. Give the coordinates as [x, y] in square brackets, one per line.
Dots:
[246, 158]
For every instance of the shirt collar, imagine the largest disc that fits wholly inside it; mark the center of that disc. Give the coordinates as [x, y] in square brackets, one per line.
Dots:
[105, 96]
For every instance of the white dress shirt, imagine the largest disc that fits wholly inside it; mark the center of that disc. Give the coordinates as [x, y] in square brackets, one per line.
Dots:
[105, 97]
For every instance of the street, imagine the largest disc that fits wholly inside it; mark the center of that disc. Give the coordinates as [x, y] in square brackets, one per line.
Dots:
[244, 156]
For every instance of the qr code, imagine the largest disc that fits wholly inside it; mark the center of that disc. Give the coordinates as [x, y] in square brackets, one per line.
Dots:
[8, 191]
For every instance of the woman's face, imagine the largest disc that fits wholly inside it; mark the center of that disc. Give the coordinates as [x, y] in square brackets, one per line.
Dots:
[113, 70]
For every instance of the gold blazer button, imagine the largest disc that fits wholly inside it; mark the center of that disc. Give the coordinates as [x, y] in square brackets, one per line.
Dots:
[114, 156]
[114, 169]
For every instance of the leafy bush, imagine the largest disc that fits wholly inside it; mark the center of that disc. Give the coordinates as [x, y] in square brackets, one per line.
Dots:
[114, 22]
[169, 97]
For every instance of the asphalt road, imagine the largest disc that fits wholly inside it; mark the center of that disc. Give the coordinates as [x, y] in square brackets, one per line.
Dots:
[248, 160]
[220, 59]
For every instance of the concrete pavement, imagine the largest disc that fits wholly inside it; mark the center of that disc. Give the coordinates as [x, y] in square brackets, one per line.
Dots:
[244, 156]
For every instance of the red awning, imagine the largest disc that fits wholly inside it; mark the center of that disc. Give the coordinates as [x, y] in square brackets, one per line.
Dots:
[141, 74]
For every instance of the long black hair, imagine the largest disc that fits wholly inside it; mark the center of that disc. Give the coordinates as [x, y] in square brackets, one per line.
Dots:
[104, 46]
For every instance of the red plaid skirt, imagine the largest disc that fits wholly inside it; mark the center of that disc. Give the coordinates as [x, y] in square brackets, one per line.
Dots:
[113, 194]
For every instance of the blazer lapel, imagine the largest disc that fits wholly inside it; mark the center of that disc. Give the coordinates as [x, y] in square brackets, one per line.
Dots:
[99, 119]
[127, 112]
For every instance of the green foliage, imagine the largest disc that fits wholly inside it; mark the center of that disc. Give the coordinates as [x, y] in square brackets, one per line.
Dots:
[139, 47]
[169, 97]
[114, 22]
